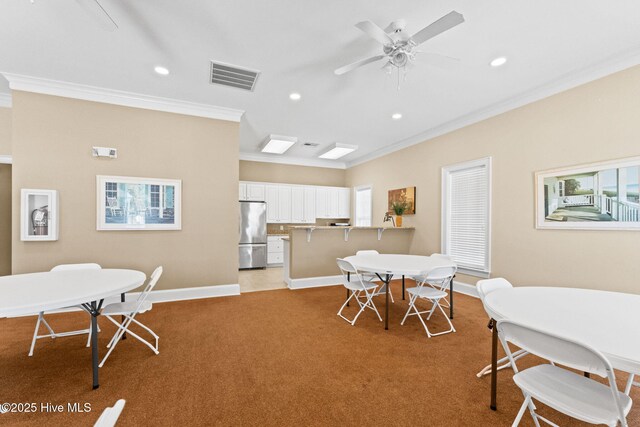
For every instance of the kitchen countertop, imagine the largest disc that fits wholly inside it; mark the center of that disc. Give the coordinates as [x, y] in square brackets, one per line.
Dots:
[333, 227]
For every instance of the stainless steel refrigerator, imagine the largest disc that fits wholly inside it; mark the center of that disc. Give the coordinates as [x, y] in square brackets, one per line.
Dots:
[253, 235]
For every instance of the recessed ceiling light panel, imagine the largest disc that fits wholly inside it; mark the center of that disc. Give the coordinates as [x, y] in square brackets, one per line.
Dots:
[497, 62]
[278, 144]
[396, 116]
[338, 150]
[295, 96]
[163, 71]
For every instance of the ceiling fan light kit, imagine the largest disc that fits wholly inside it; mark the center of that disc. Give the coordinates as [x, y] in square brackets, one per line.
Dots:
[398, 48]
[338, 150]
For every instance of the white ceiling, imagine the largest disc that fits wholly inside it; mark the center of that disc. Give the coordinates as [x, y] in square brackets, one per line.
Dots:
[297, 44]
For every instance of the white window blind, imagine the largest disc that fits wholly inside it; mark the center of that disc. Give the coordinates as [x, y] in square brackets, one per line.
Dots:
[363, 206]
[466, 215]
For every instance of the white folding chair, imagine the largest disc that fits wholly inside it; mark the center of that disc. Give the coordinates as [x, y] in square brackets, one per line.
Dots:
[41, 319]
[425, 291]
[360, 289]
[630, 383]
[370, 277]
[565, 391]
[485, 287]
[110, 415]
[129, 310]
[440, 285]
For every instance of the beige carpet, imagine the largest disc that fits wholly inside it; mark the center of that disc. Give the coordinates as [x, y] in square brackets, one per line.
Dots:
[268, 358]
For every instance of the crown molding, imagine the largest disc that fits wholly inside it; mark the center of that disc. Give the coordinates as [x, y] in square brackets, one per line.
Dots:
[565, 82]
[5, 159]
[297, 161]
[117, 97]
[5, 100]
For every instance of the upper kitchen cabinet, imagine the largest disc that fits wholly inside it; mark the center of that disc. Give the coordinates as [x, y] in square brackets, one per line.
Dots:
[303, 205]
[344, 203]
[333, 202]
[252, 192]
[278, 198]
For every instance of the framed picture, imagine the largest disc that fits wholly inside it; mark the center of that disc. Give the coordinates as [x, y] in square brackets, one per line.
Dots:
[403, 195]
[598, 196]
[126, 203]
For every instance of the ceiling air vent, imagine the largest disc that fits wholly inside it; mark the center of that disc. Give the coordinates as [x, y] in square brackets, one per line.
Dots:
[230, 75]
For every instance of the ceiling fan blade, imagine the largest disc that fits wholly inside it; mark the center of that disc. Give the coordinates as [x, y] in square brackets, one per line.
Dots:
[438, 60]
[443, 24]
[94, 9]
[375, 32]
[357, 64]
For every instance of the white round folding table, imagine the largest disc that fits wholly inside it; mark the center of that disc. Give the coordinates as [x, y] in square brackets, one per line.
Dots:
[385, 266]
[35, 292]
[607, 321]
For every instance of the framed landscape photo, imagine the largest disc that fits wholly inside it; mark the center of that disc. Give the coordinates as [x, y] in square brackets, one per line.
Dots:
[597, 196]
[127, 203]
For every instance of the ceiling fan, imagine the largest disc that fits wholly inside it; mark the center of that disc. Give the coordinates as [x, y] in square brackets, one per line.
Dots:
[398, 48]
[94, 9]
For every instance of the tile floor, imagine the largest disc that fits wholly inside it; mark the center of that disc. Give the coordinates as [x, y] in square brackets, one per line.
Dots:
[261, 279]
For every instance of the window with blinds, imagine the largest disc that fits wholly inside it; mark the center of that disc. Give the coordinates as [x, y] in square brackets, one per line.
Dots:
[363, 206]
[466, 207]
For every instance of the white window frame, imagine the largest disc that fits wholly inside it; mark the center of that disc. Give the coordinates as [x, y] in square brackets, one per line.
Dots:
[446, 174]
[355, 204]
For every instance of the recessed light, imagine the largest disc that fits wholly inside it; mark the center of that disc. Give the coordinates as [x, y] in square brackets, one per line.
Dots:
[338, 150]
[295, 96]
[278, 144]
[396, 116]
[498, 61]
[163, 71]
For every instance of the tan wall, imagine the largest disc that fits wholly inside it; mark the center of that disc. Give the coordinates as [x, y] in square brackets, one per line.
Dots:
[5, 220]
[53, 137]
[5, 131]
[291, 174]
[594, 122]
[317, 258]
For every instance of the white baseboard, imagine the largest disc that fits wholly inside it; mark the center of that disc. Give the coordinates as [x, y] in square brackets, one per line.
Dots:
[167, 295]
[184, 294]
[465, 288]
[316, 282]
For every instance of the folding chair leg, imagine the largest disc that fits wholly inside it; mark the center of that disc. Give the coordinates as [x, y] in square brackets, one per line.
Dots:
[532, 411]
[412, 300]
[627, 388]
[523, 408]
[372, 306]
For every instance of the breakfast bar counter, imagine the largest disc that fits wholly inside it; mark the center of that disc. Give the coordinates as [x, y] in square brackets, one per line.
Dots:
[310, 252]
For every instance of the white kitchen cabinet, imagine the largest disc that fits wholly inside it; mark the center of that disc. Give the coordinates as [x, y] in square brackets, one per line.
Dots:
[297, 205]
[252, 192]
[334, 205]
[284, 203]
[322, 202]
[255, 192]
[303, 205]
[278, 198]
[242, 194]
[344, 203]
[309, 205]
[273, 206]
[275, 250]
[333, 202]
